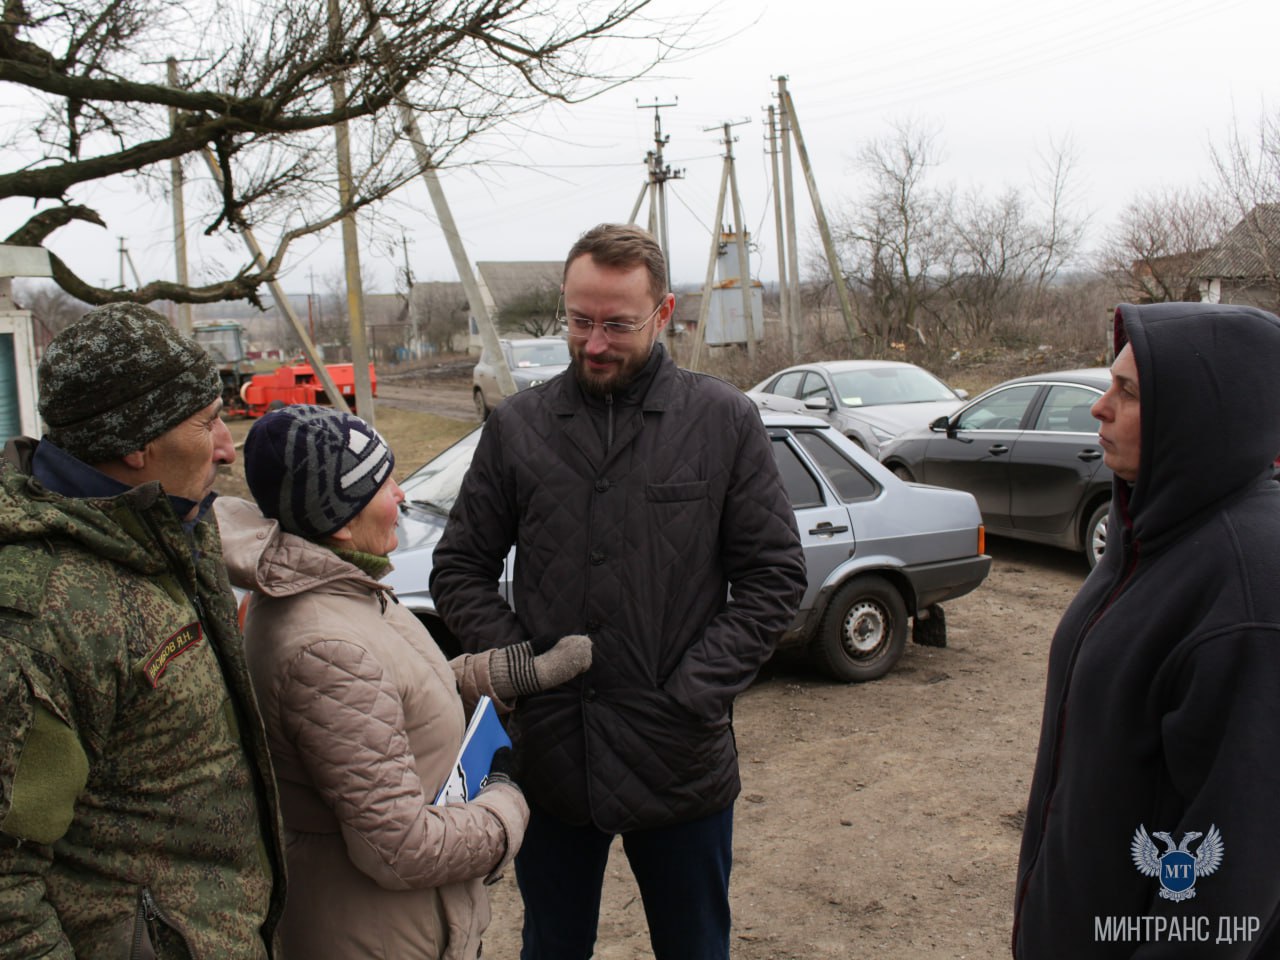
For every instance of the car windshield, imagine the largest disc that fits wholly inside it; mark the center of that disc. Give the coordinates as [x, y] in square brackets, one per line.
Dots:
[539, 353]
[435, 485]
[884, 385]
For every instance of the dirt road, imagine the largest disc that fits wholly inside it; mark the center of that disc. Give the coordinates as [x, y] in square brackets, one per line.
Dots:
[444, 391]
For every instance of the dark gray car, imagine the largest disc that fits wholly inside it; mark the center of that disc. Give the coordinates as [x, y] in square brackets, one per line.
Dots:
[878, 551]
[1028, 451]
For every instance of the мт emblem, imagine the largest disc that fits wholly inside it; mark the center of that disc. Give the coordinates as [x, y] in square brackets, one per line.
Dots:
[1177, 868]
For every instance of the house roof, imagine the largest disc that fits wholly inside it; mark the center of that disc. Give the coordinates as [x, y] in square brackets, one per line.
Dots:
[440, 293]
[383, 309]
[511, 279]
[1250, 251]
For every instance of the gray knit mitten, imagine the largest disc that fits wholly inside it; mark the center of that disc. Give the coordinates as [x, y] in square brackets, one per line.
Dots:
[518, 671]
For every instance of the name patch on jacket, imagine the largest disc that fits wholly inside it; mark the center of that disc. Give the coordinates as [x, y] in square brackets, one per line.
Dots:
[167, 652]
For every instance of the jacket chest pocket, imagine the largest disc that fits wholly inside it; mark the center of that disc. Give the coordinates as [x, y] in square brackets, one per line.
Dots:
[681, 516]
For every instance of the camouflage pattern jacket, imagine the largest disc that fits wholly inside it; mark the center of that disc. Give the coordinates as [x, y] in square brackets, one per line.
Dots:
[138, 815]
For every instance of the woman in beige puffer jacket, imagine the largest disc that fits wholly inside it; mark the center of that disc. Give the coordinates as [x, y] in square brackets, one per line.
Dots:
[364, 714]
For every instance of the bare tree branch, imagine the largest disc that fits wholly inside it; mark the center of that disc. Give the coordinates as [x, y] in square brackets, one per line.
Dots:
[257, 93]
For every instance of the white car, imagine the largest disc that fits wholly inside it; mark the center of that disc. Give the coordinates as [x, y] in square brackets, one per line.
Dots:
[531, 361]
[869, 401]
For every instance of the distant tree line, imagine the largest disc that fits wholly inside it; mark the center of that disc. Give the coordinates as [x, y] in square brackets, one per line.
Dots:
[931, 268]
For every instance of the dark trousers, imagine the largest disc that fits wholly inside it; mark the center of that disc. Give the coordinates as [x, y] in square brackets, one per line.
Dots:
[682, 872]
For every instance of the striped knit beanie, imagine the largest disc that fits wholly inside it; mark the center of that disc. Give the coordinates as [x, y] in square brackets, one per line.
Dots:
[314, 468]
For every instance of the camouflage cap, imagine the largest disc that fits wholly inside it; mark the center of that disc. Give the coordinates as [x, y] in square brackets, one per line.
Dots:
[118, 378]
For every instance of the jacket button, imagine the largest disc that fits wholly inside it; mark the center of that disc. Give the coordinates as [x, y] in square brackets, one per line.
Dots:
[596, 558]
[602, 485]
[589, 694]
[593, 625]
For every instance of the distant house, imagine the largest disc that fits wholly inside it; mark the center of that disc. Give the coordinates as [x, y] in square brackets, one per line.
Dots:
[1245, 267]
[1161, 279]
[511, 283]
[438, 314]
[386, 321]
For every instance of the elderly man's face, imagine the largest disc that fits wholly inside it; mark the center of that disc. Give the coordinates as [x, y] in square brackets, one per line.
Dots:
[185, 458]
[1121, 415]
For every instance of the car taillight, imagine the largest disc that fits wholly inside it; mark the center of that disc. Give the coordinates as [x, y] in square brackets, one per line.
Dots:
[982, 539]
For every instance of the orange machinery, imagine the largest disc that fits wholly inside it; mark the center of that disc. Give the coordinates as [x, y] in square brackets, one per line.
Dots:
[298, 383]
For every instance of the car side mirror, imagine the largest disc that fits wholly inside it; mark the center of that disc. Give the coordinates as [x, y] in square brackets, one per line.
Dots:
[817, 403]
[961, 392]
[942, 425]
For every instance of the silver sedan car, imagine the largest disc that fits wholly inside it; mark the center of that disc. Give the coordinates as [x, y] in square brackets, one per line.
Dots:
[531, 362]
[869, 401]
[879, 552]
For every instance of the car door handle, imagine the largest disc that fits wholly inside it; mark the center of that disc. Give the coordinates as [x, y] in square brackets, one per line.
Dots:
[1089, 454]
[826, 529]
[998, 448]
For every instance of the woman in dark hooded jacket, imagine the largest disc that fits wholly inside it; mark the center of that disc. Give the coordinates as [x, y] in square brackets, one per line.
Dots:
[1151, 826]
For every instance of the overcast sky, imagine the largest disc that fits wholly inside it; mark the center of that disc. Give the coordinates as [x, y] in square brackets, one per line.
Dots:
[1141, 89]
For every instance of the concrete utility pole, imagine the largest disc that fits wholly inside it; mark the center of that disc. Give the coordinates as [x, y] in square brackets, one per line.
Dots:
[744, 266]
[789, 201]
[350, 240]
[478, 298]
[833, 262]
[704, 309]
[784, 292]
[179, 211]
[658, 173]
[729, 181]
[125, 257]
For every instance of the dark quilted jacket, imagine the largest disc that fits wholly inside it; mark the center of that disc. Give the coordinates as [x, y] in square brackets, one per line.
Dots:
[636, 546]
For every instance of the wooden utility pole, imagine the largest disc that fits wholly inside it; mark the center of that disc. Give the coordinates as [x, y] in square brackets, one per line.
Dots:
[784, 292]
[179, 211]
[350, 240]
[789, 200]
[833, 262]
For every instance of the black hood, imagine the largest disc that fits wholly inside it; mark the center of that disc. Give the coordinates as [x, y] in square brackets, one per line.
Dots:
[1210, 407]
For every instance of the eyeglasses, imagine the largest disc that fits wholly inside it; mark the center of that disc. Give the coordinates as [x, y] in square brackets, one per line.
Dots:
[580, 327]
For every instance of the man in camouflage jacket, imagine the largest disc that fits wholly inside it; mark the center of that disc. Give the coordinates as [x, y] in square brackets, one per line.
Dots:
[138, 814]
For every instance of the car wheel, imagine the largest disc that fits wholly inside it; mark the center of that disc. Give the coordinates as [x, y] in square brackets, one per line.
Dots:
[1095, 533]
[863, 631]
[482, 408]
[902, 473]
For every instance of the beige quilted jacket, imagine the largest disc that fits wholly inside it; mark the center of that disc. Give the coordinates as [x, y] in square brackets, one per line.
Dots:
[364, 717]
